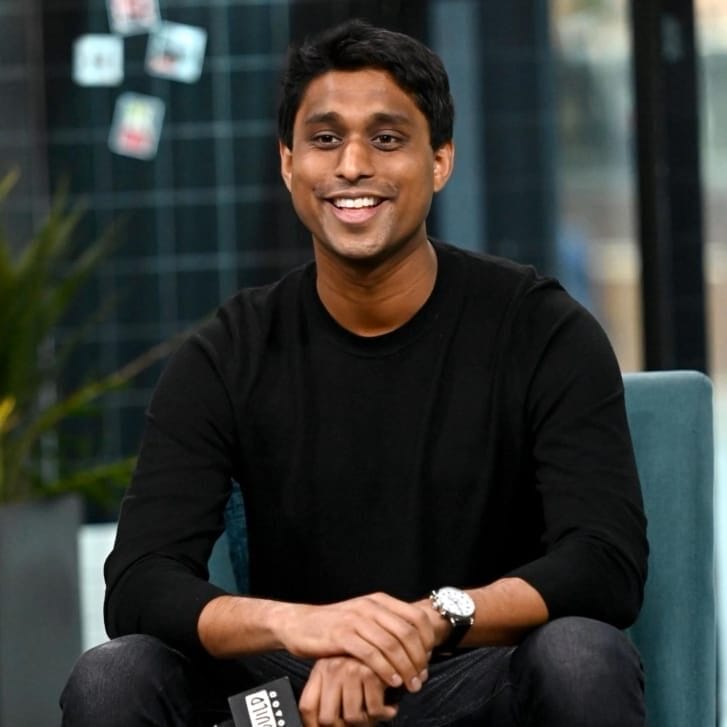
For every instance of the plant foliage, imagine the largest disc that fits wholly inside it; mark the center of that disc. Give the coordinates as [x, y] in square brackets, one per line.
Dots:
[38, 283]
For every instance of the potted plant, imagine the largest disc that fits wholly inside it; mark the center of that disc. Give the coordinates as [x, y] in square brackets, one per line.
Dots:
[40, 500]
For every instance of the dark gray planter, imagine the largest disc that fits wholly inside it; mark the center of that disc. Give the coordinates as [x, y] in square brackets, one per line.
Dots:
[40, 628]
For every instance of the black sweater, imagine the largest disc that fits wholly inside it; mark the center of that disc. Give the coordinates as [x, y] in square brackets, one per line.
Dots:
[486, 437]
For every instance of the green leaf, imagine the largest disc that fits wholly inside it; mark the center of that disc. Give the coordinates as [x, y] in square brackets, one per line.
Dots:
[38, 285]
[102, 483]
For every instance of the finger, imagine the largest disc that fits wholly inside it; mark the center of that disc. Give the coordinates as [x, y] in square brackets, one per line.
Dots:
[411, 626]
[352, 699]
[374, 701]
[398, 640]
[330, 703]
[412, 613]
[381, 658]
[402, 651]
[308, 705]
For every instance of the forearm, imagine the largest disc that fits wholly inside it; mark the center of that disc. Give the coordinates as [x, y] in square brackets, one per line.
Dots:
[392, 637]
[505, 611]
[231, 626]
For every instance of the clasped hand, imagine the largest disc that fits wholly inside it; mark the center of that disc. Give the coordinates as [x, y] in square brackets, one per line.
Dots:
[362, 647]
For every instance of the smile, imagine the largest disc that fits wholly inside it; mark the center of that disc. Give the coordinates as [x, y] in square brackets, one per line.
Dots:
[356, 202]
[356, 210]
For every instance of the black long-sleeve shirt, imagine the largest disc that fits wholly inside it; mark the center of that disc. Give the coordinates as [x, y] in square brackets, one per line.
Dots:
[486, 437]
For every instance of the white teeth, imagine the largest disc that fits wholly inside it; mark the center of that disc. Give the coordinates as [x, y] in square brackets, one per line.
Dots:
[355, 203]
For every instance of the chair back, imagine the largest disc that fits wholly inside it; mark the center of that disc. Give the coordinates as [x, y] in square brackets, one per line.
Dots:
[670, 416]
[228, 564]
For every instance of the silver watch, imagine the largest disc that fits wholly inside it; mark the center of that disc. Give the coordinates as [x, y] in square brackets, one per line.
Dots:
[459, 609]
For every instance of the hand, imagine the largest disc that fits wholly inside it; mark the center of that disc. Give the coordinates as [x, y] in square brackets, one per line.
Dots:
[343, 691]
[394, 639]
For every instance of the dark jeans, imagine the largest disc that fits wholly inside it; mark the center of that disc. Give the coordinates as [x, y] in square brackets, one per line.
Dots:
[572, 671]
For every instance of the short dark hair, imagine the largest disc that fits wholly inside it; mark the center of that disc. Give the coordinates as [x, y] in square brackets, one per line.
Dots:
[356, 44]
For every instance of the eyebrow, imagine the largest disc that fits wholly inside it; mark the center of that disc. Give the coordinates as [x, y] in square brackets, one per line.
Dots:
[380, 117]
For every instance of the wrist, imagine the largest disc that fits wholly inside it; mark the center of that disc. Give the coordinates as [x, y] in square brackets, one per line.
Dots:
[280, 623]
[441, 627]
[442, 630]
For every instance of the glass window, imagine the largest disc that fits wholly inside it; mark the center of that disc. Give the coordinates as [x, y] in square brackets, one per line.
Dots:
[598, 258]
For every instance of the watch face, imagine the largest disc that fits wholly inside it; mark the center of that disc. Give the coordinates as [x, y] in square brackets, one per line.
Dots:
[456, 602]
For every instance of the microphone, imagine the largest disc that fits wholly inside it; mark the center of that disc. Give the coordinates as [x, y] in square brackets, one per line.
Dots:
[272, 704]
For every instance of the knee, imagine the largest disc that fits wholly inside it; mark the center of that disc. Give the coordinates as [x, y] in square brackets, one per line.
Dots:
[584, 668]
[578, 649]
[113, 677]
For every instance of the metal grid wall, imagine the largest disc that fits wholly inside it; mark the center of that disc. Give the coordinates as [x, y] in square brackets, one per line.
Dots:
[206, 216]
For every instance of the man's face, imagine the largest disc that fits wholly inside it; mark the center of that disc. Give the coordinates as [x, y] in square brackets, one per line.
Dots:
[362, 171]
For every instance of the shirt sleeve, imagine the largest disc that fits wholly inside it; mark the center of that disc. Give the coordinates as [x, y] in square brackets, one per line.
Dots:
[172, 513]
[570, 387]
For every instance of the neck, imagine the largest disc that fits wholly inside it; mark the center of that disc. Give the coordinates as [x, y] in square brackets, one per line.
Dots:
[371, 301]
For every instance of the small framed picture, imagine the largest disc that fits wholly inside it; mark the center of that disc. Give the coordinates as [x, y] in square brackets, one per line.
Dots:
[176, 51]
[136, 126]
[98, 60]
[129, 17]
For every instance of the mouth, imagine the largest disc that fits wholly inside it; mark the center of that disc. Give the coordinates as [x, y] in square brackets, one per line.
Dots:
[355, 210]
[355, 203]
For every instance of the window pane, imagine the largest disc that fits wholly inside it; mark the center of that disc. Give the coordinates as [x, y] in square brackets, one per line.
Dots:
[597, 238]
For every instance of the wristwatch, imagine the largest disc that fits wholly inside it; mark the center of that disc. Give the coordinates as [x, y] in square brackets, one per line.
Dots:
[459, 609]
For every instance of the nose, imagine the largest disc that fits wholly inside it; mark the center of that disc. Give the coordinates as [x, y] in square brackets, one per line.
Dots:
[354, 160]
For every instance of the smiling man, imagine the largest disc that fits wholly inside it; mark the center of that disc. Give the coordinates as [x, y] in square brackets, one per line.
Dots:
[445, 522]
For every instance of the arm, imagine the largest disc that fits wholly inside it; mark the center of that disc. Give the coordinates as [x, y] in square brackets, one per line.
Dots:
[569, 389]
[172, 513]
[392, 638]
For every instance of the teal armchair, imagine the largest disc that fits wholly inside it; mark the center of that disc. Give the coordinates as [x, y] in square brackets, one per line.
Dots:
[670, 416]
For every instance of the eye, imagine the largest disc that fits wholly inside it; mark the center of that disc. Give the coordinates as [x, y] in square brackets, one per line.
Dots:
[325, 140]
[387, 141]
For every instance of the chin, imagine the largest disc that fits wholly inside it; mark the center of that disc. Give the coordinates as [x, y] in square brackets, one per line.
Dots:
[357, 252]
[366, 254]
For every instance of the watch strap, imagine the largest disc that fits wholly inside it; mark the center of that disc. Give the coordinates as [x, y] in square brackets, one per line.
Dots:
[459, 628]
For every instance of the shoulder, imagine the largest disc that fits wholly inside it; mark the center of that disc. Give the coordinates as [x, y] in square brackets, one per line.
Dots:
[493, 277]
[516, 295]
[538, 323]
[249, 318]
[230, 345]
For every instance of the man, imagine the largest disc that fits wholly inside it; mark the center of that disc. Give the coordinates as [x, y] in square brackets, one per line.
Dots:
[403, 418]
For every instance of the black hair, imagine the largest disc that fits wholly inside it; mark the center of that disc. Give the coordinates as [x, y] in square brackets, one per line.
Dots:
[356, 44]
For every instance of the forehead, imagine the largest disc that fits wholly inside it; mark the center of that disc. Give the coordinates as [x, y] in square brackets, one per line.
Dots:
[353, 95]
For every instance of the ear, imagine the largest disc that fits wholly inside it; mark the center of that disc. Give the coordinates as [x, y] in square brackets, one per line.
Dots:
[286, 162]
[443, 164]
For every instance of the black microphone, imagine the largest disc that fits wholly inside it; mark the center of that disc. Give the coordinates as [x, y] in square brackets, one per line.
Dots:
[272, 704]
